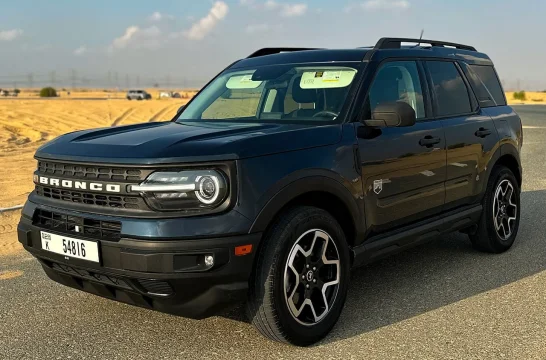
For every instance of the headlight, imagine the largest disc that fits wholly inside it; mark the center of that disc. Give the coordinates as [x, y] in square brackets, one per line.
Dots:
[184, 190]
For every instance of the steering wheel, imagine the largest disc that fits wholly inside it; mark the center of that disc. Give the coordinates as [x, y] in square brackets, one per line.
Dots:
[326, 112]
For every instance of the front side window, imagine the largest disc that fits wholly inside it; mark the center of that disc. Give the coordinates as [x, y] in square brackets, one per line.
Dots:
[397, 81]
[274, 94]
[452, 97]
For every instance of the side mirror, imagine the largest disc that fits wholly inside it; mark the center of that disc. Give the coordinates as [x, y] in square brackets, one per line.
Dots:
[392, 114]
[180, 109]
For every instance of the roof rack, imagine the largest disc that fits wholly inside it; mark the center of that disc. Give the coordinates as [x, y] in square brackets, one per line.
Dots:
[270, 51]
[395, 43]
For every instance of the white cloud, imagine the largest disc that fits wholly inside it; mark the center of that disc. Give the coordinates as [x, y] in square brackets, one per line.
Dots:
[205, 25]
[157, 17]
[372, 5]
[284, 9]
[10, 35]
[135, 37]
[81, 50]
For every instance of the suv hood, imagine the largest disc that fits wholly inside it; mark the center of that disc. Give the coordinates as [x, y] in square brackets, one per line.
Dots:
[168, 142]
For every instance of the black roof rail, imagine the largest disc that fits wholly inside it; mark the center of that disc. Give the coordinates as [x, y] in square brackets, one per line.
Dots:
[270, 51]
[395, 43]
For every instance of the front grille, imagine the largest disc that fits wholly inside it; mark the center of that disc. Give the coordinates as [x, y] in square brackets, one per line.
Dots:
[76, 225]
[114, 201]
[83, 171]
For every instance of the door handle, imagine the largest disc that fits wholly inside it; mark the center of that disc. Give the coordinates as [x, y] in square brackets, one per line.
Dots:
[429, 141]
[482, 132]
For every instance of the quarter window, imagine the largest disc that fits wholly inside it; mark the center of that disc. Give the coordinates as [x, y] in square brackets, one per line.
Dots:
[397, 81]
[488, 78]
[452, 97]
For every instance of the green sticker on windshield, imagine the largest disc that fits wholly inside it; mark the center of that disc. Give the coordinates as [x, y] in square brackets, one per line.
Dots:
[327, 79]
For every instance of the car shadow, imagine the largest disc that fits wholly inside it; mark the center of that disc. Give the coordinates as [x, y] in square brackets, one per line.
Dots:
[440, 273]
[434, 275]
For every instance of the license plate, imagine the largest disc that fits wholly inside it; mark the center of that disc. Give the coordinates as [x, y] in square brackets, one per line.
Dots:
[70, 247]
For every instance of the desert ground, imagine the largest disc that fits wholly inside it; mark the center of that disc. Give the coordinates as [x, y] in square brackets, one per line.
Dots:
[532, 97]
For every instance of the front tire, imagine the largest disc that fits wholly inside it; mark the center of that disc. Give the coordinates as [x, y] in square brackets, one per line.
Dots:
[499, 223]
[300, 283]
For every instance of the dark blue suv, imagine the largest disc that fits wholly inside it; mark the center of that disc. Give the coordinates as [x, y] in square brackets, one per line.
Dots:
[289, 169]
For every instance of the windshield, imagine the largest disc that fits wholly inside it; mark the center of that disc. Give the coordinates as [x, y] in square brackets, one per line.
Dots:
[274, 94]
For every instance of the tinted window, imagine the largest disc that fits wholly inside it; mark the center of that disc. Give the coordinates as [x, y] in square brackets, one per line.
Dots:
[397, 81]
[491, 82]
[452, 96]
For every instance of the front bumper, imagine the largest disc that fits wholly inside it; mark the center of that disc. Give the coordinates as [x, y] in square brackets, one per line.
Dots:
[163, 275]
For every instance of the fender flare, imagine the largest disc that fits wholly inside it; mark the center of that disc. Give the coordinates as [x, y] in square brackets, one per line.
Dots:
[284, 193]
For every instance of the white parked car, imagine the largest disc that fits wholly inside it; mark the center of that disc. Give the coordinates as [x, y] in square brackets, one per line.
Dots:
[138, 95]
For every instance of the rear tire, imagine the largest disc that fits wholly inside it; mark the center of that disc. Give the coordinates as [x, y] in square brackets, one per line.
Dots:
[300, 283]
[499, 223]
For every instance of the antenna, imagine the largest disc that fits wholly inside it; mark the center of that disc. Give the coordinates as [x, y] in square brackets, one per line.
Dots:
[420, 37]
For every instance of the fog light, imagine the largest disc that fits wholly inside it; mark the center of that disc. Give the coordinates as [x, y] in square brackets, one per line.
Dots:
[209, 260]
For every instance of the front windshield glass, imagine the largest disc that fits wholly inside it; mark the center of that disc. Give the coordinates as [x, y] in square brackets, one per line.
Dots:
[280, 93]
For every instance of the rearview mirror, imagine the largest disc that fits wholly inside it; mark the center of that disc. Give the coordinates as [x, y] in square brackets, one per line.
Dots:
[392, 114]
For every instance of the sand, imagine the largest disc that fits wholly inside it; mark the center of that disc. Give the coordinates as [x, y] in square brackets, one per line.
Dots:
[536, 98]
[8, 233]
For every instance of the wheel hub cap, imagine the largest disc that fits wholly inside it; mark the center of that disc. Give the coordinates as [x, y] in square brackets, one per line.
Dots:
[504, 209]
[311, 277]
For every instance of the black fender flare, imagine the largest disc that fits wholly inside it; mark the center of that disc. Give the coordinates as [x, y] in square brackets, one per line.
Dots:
[290, 188]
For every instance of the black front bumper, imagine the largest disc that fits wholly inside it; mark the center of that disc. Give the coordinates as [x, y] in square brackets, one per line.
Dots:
[163, 275]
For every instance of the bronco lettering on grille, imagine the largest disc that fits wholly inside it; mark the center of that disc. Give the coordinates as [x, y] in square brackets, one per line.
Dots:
[80, 185]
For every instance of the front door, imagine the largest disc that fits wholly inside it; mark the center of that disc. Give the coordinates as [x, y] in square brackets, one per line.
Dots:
[403, 168]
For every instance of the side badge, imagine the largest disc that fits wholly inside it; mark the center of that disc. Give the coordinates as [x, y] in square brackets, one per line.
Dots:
[378, 186]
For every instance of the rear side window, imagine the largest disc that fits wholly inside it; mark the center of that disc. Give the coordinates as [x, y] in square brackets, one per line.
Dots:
[452, 97]
[488, 81]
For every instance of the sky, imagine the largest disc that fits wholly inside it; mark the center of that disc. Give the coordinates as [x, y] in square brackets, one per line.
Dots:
[186, 42]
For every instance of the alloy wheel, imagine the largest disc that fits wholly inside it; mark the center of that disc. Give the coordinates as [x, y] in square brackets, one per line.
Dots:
[312, 277]
[504, 209]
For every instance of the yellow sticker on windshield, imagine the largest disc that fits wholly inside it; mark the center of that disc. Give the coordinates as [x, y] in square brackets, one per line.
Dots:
[327, 79]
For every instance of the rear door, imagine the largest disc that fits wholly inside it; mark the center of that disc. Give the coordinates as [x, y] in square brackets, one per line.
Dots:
[403, 168]
[470, 133]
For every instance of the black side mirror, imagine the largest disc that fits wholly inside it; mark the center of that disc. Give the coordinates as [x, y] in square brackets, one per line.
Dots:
[180, 109]
[392, 114]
